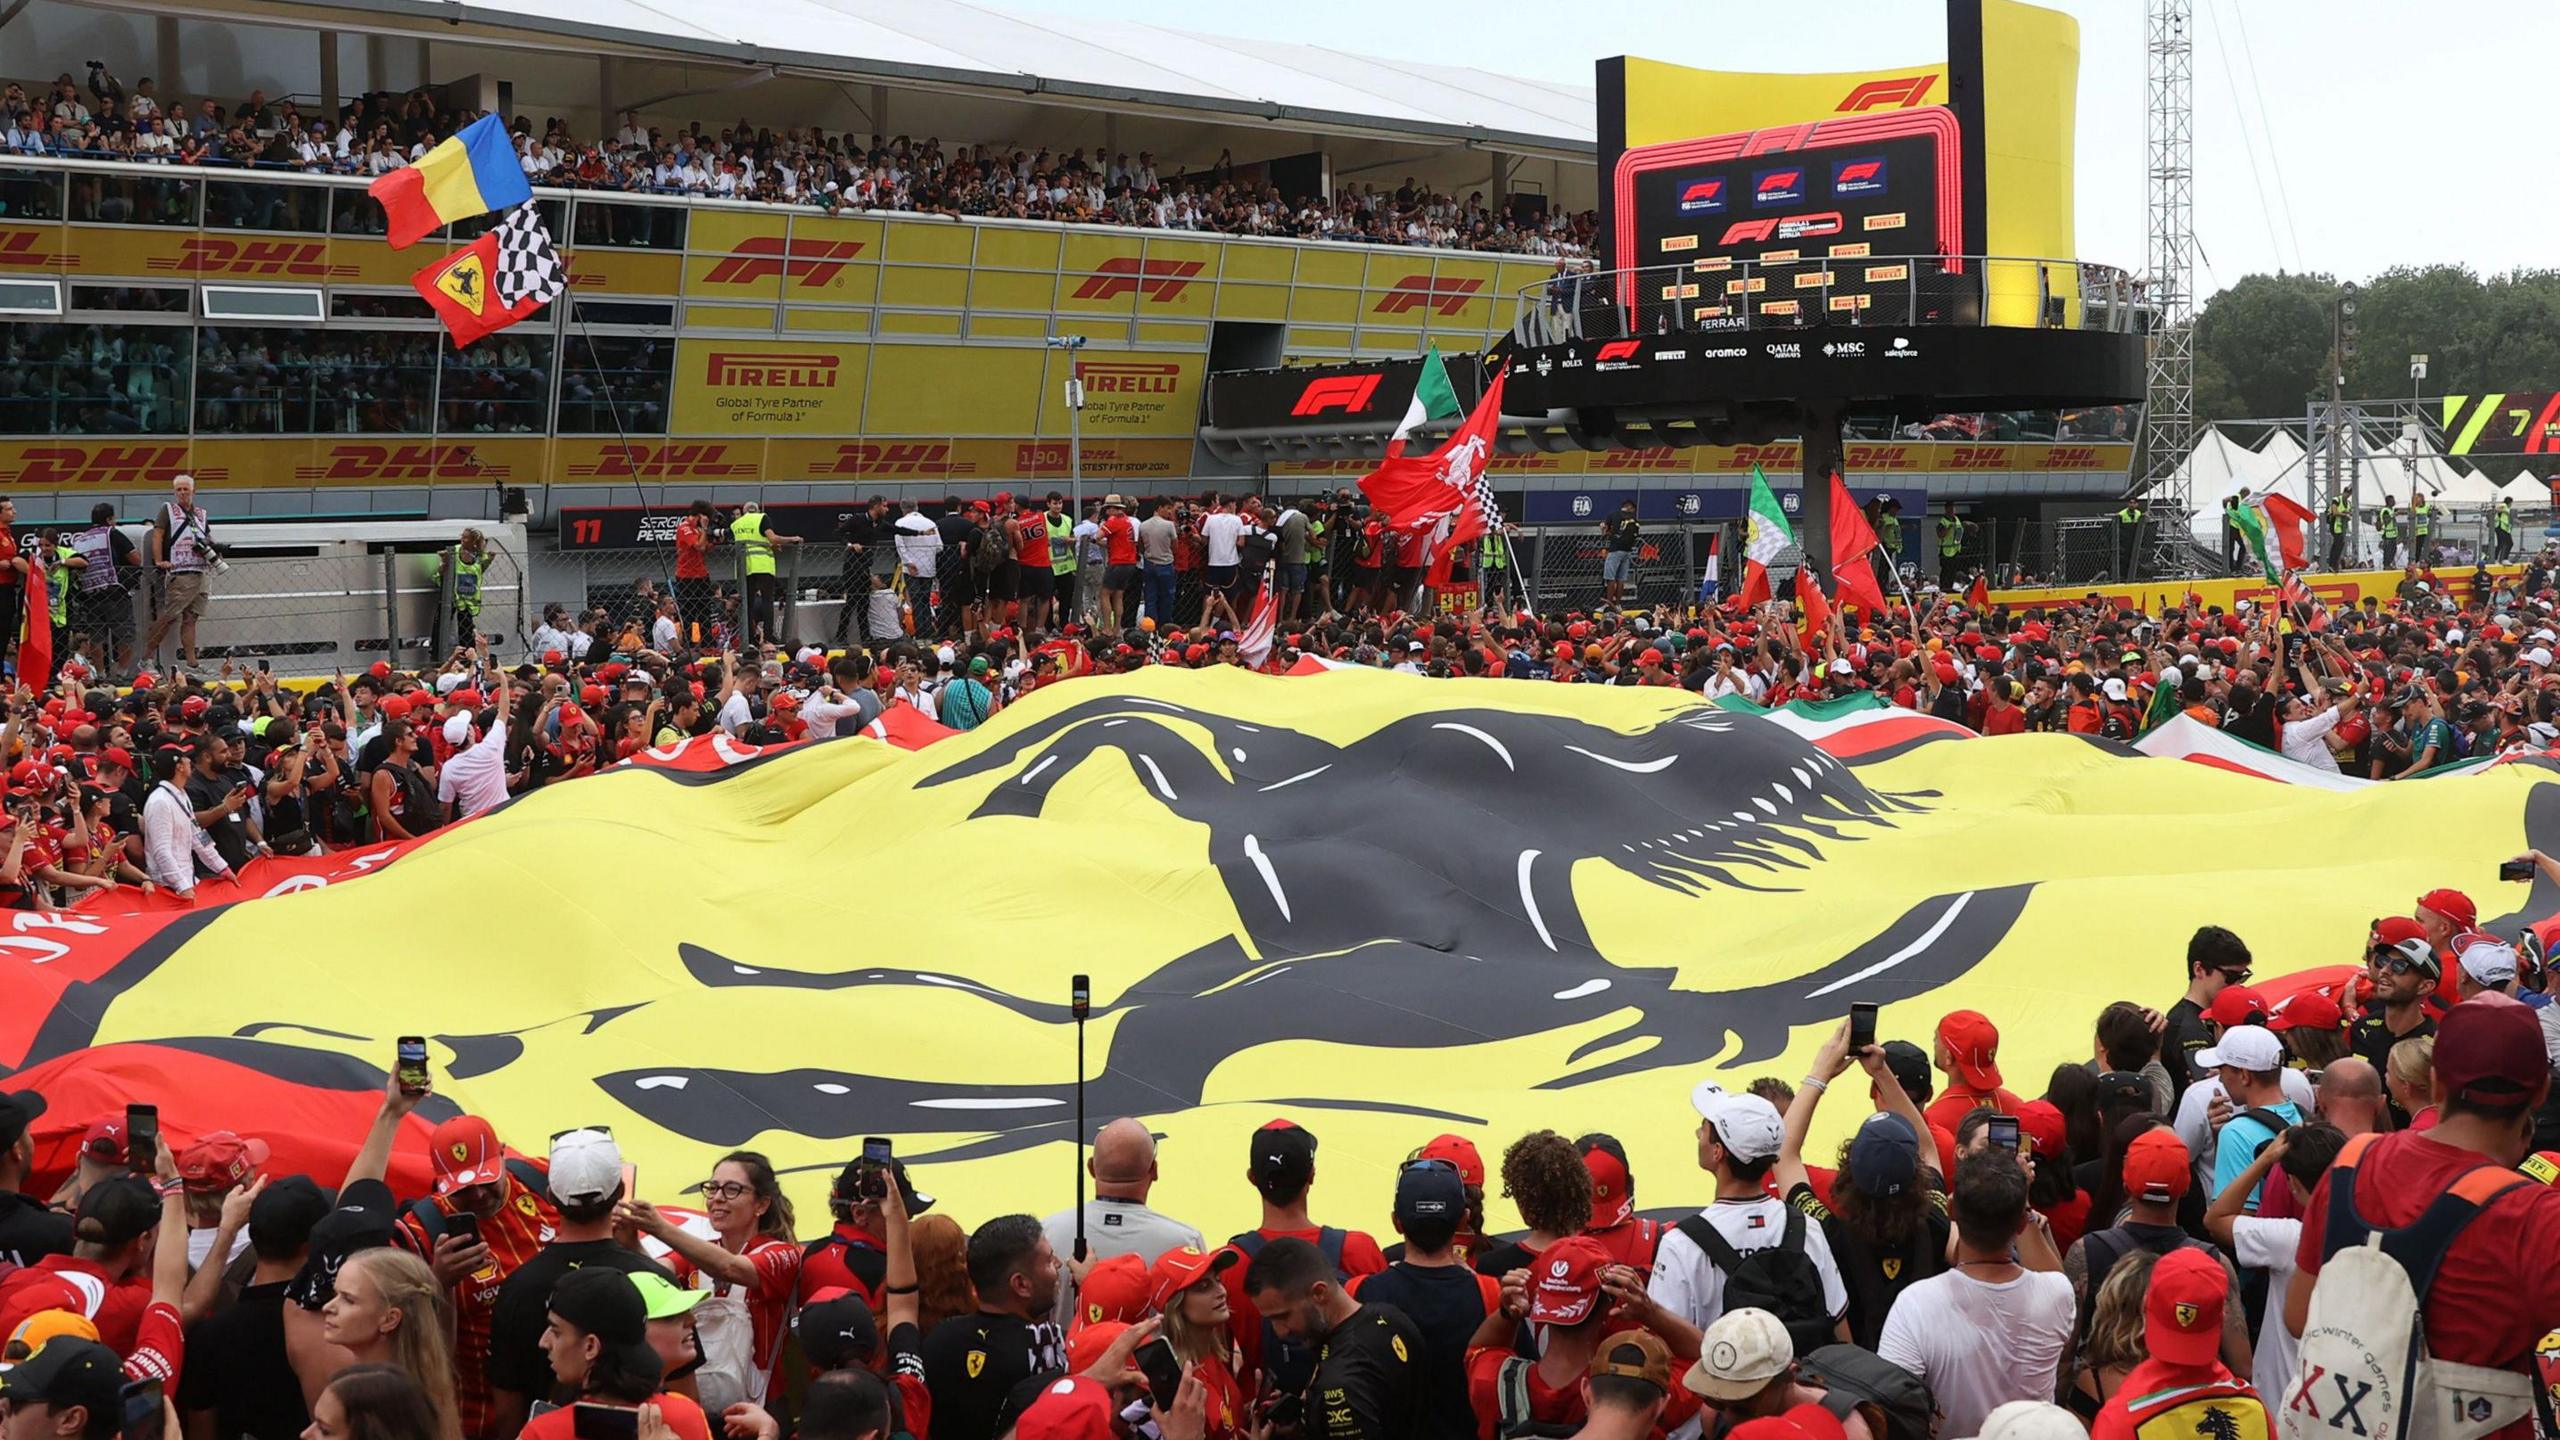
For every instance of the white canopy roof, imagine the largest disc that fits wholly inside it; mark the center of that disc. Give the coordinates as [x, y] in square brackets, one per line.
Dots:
[954, 43]
[2220, 467]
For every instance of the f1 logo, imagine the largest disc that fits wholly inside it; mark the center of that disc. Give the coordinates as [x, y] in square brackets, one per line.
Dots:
[1618, 350]
[1346, 393]
[1862, 170]
[1898, 94]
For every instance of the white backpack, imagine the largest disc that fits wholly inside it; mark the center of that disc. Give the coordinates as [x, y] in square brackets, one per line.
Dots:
[729, 1374]
[2365, 1373]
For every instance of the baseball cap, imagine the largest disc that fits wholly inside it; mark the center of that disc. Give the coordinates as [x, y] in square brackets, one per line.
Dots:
[1086, 1342]
[604, 1303]
[2032, 1420]
[1634, 1355]
[1282, 1159]
[2453, 905]
[2238, 1005]
[2489, 1052]
[1116, 1288]
[1884, 1156]
[1739, 1355]
[67, 1371]
[2409, 938]
[837, 1330]
[1430, 1189]
[44, 1325]
[466, 1152]
[365, 1214]
[1746, 1125]
[2244, 1047]
[2157, 1167]
[1458, 1150]
[1070, 1408]
[1613, 1189]
[662, 1298]
[2487, 959]
[1808, 1421]
[2041, 1121]
[282, 1216]
[1910, 1065]
[585, 1165]
[1182, 1267]
[1973, 1045]
[2306, 1010]
[19, 1109]
[117, 1209]
[2125, 1087]
[2182, 1311]
[1567, 1282]
[219, 1160]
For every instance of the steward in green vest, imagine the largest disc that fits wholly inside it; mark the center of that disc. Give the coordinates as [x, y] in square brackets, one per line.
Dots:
[753, 533]
[468, 562]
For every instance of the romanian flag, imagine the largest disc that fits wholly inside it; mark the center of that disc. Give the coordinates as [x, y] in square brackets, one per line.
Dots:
[463, 289]
[471, 174]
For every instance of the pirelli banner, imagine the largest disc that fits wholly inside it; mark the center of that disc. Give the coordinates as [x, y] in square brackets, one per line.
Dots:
[1899, 457]
[97, 464]
[798, 388]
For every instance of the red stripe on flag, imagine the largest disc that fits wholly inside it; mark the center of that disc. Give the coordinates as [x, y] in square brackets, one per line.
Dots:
[403, 197]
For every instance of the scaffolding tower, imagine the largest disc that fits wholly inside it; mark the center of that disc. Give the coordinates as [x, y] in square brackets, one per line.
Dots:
[2169, 398]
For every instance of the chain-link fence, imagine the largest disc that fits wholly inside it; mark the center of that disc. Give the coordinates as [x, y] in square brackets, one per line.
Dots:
[304, 614]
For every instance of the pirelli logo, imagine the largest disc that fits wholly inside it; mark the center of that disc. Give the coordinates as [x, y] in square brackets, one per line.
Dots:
[811, 263]
[70, 466]
[664, 462]
[1129, 377]
[766, 370]
[1154, 281]
[1442, 295]
[399, 465]
[1884, 274]
[299, 260]
[25, 250]
[928, 457]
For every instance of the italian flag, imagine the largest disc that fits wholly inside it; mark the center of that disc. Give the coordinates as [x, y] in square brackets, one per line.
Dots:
[1766, 536]
[1434, 398]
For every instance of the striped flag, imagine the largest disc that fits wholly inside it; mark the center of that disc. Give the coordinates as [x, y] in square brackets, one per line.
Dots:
[529, 266]
[1254, 641]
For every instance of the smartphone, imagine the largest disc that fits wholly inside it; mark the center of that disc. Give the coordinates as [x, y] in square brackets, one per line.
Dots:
[873, 1183]
[1164, 1373]
[1080, 995]
[142, 1138]
[2515, 870]
[143, 1411]
[604, 1422]
[876, 1149]
[263, 666]
[1862, 1026]
[2004, 1131]
[630, 1181]
[411, 1064]
[463, 1225]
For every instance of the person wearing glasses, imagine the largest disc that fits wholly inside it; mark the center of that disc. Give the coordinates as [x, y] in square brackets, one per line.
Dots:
[2215, 958]
[2401, 973]
[751, 1268]
[586, 1181]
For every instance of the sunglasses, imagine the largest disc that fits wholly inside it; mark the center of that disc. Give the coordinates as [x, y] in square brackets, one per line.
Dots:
[2398, 964]
[604, 1130]
[1430, 1162]
[2237, 977]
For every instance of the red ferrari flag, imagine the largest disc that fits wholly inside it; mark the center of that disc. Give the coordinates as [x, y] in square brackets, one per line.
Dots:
[1978, 594]
[1817, 610]
[1852, 542]
[463, 290]
[2286, 517]
[1415, 491]
[35, 643]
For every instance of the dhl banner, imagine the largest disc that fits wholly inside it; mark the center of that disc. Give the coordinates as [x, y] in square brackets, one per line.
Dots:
[1504, 942]
[236, 464]
[1862, 459]
[2337, 591]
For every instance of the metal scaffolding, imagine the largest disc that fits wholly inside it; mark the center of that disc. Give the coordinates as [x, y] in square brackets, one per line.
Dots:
[2169, 406]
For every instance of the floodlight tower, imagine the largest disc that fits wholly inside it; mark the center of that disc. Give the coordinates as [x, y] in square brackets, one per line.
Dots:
[2169, 401]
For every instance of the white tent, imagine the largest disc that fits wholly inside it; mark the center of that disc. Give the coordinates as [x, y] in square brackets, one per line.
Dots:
[2218, 468]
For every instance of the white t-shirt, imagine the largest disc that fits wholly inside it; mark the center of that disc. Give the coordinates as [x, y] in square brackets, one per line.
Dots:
[1980, 1345]
[1221, 531]
[2269, 1245]
[1686, 1283]
[477, 778]
[735, 713]
[2196, 1132]
[200, 1244]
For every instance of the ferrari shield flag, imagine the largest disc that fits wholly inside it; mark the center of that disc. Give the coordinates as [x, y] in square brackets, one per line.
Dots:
[1852, 541]
[469, 289]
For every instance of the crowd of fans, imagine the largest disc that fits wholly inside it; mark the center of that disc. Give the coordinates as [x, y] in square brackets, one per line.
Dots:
[375, 134]
[1968, 1262]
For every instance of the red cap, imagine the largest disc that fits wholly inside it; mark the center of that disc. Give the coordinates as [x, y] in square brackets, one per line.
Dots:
[1086, 1342]
[468, 698]
[1564, 1281]
[2306, 1010]
[1458, 1150]
[1650, 656]
[1114, 1290]
[2238, 1005]
[590, 694]
[1182, 1267]
[381, 670]
[2397, 929]
[1804, 1422]
[2157, 1167]
[105, 1140]
[2041, 1121]
[572, 715]
[466, 1152]
[193, 706]
[396, 708]
[2489, 1052]
[1973, 1045]
[219, 1160]
[1613, 1190]
[551, 657]
[2182, 1311]
[786, 701]
[145, 680]
[1070, 1409]
[27, 776]
[2453, 905]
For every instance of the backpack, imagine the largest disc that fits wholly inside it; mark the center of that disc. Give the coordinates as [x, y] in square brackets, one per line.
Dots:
[1513, 1419]
[2229, 1408]
[1780, 1279]
[1287, 1365]
[989, 554]
[1852, 1377]
[2365, 1372]
[1253, 551]
[2116, 722]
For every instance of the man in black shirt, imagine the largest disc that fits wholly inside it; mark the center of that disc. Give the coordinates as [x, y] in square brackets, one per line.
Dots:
[973, 1362]
[28, 1231]
[1368, 1377]
[960, 536]
[238, 1378]
[2215, 958]
[220, 791]
[2403, 969]
[1619, 534]
[585, 1184]
[1436, 1289]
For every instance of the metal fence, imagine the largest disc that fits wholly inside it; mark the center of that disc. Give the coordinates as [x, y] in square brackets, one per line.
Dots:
[315, 614]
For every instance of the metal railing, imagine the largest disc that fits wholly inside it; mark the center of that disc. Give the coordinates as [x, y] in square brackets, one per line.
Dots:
[1708, 296]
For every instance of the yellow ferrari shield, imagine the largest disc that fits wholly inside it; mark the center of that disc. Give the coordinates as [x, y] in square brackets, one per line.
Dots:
[466, 282]
[1893, 1267]
[2186, 1313]
[977, 1362]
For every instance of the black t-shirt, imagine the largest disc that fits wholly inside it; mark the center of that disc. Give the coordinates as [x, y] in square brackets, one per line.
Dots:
[972, 1362]
[1368, 1380]
[2370, 1036]
[1500, 1260]
[2184, 1035]
[516, 1322]
[1445, 1303]
[1620, 532]
[236, 1368]
[29, 1232]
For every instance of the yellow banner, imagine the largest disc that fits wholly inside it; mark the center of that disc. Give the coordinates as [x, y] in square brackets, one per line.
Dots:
[1131, 393]
[768, 387]
[2336, 590]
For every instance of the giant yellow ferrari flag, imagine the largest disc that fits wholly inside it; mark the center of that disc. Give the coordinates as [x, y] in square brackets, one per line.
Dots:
[1382, 906]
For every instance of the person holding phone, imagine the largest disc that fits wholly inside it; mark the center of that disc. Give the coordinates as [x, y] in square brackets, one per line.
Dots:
[482, 1222]
[586, 1180]
[597, 1340]
[756, 1253]
[1886, 1217]
[1184, 1286]
[173, 843]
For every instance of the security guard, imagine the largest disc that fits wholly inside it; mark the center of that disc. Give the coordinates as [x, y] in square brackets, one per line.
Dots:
[469, 562]
[1493, 564]
[2128, 539]
[2502, 521]
[753, 533]
[2422, 524]
[2386, 522]
[2340, 512]
[1062, 557]
[1887, 523]
[1950, 540]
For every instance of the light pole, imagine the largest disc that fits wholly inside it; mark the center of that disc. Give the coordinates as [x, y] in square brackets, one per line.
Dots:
[1075, 424]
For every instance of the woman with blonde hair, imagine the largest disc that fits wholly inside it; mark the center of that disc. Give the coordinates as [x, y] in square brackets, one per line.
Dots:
[2410, 1078]
[2115, 1344]
[389, 1310]
[942, 1268]
[1184, 1285]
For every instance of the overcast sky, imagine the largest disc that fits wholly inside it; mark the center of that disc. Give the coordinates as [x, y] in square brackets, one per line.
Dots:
[2391, 132]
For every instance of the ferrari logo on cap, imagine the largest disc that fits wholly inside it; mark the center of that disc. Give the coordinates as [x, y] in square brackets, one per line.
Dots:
[461, 1151]
[1093, 1314]
[2186, 1313]
[977, 1362]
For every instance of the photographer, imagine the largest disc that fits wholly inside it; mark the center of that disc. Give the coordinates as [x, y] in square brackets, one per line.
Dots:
[181, 549]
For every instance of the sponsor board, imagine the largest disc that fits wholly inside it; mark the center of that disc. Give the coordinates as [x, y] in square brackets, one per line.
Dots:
[2337, 590]
[1858, 175]
[1896, 457]
[1131, 394]
[769, 387]
[1444, 296]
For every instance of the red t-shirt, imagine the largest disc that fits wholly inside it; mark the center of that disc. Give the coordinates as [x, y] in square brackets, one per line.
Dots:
[2497, 1287]
[2007, 720]
[2152, 1383]
[512, 1234]
[59, 1282]
[777, 1264]
[829, 1264]
[1553, 1407]
[1949, 1109]
[1360, 1256]
[2069, 1219]
[1631, 1244]
[693, 547]
[1409, 550]
[683, 1416]
[1031, 540]
[8, 552]
[1119, 541]
[159, 1348]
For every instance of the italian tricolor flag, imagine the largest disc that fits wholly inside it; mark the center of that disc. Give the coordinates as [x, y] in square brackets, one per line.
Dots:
[1434, 398]
[1766, 536]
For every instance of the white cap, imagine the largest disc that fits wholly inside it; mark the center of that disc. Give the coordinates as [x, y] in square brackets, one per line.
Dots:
[449, 681]
[1746, 1125]
[2171, 677]
[2453, 637]
[457, 730]
[585, 1165]
[2115, 687]
[1739, 1355]
[2032, 1420]
[1842, 667]
[2537, 656]
[2488, 960]
[1703, 1096]
[946, 655]
[2253, 1048]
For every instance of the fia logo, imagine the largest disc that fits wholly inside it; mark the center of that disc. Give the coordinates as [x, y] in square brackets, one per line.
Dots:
[1581, 506]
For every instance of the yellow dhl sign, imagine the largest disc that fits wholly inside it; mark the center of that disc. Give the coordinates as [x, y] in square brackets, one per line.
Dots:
[1861, 460]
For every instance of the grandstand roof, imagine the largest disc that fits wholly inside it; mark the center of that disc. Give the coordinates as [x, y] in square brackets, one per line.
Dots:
[952, 43]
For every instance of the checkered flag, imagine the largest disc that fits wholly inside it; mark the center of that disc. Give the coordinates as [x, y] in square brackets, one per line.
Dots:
[528, 267]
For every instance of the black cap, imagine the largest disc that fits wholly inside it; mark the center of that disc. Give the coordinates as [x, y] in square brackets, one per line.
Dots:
[18, 1110]
[847, 1185]
[839, 1333]
[603, 1302]
[2123, 1087]
[363, 1220]
[1430, 1190]
[117, 1210]
[1282, 1160]
[1910, 1065]
[284, 1215]
[66, 1371]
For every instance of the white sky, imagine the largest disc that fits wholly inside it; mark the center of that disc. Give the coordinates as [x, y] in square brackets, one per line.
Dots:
[2392, 132]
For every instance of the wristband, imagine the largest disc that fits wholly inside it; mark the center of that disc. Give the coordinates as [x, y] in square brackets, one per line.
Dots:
[1816, 1086]
[900, 1289]
[166, 1188]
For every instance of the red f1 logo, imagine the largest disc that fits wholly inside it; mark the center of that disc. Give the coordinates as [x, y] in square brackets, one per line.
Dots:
[1778, 182]
[1899, 94]
[1346, 393]
[1618, 350]
[1852, 173]
[1702, 190]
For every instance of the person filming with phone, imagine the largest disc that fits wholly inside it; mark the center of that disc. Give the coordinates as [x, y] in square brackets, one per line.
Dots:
[173, 843]
[596, 1336]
